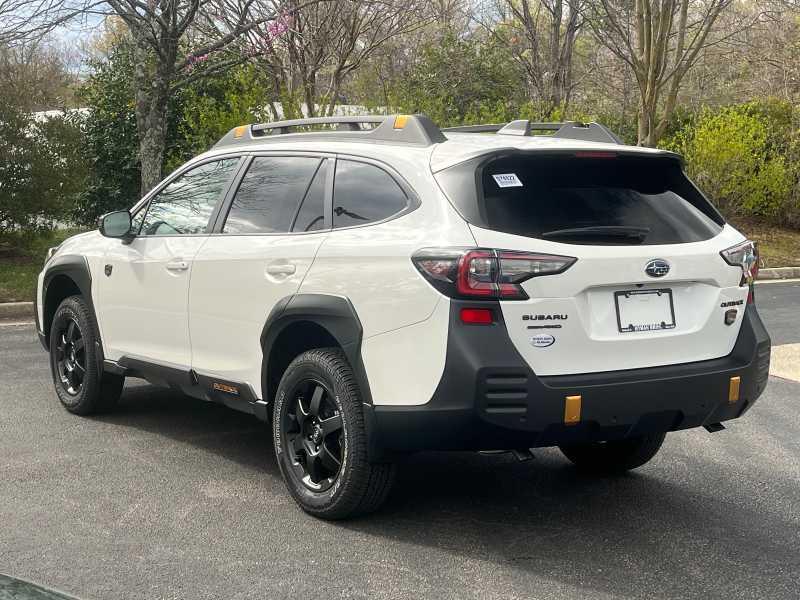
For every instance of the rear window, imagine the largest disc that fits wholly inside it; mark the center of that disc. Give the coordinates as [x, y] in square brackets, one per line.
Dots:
[364, 193]
[594, 200]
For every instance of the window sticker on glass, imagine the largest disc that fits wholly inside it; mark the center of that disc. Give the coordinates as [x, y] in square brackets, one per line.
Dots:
[505, 180]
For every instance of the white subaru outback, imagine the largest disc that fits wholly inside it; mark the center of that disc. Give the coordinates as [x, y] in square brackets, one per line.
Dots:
[382, 286]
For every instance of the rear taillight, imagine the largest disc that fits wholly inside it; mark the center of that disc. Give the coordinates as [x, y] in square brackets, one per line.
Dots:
[485, 273]
[745, 256]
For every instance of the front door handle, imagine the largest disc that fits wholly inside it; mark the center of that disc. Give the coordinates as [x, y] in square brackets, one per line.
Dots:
[281, 269]
[177, 265]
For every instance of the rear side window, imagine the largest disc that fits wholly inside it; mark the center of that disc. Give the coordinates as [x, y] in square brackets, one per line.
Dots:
[364, 193]
[598, 200]
[270, 193]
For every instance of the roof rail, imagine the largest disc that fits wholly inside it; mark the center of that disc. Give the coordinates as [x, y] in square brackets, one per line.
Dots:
[401, 129]
[573, 130]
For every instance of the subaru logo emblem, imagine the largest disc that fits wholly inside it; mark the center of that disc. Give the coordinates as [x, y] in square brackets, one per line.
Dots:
[657, 267]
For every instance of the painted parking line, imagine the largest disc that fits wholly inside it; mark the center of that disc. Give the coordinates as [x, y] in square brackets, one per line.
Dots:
[771, 281]
[15, 323]
[785, 362]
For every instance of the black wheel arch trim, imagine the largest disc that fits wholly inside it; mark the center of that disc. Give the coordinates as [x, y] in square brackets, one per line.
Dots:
[335, 314]
[76, 268]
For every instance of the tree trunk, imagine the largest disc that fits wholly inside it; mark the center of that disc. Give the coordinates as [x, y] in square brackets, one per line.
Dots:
[151, 150]
[648, 118]
[152, 95]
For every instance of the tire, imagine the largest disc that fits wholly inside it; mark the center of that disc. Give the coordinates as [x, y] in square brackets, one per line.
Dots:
[81, 388]
[614, 457]
[320, 439]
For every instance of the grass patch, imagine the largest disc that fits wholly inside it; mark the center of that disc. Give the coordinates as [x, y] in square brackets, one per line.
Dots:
[21, 259]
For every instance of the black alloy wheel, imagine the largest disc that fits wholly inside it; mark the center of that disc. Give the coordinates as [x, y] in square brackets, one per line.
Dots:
[80, 383]
[320, 438]
[314, 435]
[71, 357]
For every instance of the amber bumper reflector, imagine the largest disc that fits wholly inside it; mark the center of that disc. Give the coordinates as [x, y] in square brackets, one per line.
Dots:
[239, 131]
[733, 390]
[400, 121]
[572, 410]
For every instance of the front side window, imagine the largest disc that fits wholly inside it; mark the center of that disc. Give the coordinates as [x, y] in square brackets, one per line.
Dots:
[364, 193]
[311, 216]
[269, 196]
[185, 205]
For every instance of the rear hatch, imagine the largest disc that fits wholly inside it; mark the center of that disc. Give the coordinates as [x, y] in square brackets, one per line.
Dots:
[649, 286]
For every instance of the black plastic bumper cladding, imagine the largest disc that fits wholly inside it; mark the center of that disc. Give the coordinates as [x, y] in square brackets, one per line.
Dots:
[488, 397]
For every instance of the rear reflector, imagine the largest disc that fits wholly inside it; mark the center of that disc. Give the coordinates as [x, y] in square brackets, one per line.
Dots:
[476, 316]
[733, 390]
[572, 410]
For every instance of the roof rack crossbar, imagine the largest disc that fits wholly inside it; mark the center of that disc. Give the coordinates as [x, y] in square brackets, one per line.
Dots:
[486, 128]
[587, 132]
[283, 127]
[411, 129]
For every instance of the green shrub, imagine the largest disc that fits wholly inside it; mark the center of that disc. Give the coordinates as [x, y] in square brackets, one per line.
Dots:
[110, 139]
[210, 107]
[462, 80]
[735, 158]
[40, 171]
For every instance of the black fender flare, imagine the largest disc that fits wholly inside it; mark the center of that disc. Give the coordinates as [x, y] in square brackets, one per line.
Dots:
[76, 268]
[336, 314]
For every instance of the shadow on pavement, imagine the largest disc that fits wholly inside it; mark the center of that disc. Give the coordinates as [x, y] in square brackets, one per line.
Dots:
[234, 435]
[625, 536]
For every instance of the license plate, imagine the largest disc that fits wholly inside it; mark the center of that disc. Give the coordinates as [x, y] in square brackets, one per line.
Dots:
[644, 310]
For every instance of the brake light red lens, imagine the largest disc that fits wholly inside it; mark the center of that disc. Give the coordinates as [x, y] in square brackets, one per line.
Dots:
[745, 256]
[477, 272]
[595, 154]
[485, 273]
[476, 316]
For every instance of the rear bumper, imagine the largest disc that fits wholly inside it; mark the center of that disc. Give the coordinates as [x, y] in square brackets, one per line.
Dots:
[488, 397]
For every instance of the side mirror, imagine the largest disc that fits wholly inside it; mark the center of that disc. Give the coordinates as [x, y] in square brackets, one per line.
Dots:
[116, 224]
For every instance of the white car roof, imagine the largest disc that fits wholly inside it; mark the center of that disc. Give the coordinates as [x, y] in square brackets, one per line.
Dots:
[460, 147]
[417, 140]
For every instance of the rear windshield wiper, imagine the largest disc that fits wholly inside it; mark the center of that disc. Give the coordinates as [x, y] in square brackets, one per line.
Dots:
[600, 231]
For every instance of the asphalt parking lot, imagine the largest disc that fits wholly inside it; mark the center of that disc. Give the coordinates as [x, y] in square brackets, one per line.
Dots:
[174, 498]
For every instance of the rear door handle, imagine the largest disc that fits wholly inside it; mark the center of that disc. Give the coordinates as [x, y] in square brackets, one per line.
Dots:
[282, 269]
[177, 265]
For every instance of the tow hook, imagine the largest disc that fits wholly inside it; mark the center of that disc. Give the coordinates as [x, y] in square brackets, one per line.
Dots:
[523, 455]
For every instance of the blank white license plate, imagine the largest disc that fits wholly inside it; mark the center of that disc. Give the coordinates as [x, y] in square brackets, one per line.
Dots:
[644, 310]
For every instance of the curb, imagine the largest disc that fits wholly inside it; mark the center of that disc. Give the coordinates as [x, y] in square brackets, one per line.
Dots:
[16, 310]
[779, 273]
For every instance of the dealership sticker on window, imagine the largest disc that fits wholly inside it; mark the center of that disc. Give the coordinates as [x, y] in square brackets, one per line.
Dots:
[507, 180]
